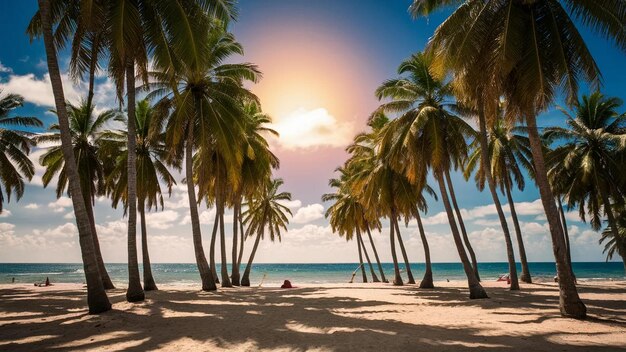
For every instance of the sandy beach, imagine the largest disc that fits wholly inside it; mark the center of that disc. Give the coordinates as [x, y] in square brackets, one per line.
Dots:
[344, 317]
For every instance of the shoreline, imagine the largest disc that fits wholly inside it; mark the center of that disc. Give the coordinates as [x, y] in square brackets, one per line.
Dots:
[329, 317]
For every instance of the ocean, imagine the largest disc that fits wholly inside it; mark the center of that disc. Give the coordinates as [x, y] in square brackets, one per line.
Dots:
[274, 274]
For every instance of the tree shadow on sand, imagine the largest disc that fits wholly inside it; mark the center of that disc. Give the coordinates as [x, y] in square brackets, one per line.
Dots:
[256, 319]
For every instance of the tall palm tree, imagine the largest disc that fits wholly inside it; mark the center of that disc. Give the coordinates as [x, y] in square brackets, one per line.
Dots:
[204, 94]
[509, 153]
[420, 86]
[257, 165]
[14, 148]
[85, 129]
[265, 212]
[518, 49]
[426, 136]
[97, 299]
[587, 158]
[151, 171]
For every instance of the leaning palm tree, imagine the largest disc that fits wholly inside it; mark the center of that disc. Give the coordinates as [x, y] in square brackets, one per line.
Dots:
[348, 218]
[419, 87]
[85, 129]
[384, 191]
[97, 299]
[509, 154]
[615, 244]
[14, 148]
[204, 95]
[427, 136]
[517, 49]
[151, 171]
[586, 159]
[265, 212]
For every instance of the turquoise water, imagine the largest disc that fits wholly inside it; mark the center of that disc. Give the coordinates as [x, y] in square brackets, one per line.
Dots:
[297, 273]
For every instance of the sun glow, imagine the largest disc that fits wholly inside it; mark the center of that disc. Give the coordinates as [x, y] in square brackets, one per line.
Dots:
[305, 128]
[314, 85]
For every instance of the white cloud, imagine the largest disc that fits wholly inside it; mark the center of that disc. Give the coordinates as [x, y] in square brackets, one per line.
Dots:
[60, 204]
[309, 213]
[32, 206]
[312, 128]
[161, 220]
[39, 90]
[6, 227]
[291, 204]
[39, 169]
[69, 216]
[5, 69]
[437, 219]
[5, 213]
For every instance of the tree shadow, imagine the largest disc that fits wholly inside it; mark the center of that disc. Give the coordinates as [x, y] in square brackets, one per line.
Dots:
[267, 319]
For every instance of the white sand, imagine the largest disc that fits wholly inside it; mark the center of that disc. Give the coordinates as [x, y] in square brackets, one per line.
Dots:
[346, 317]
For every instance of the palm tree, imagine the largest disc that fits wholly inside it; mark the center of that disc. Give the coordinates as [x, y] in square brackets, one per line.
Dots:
[586, 160]
[518, 49]
[366, 167]
[407, 92]
[204, 94]
[257, 165]
[85, 129]
[422, 205]
[97, 299]
[265, 212]
[615, 244]
[426, 136]
[14, 148]
[509, 153]
[151, 171]
[348, 217]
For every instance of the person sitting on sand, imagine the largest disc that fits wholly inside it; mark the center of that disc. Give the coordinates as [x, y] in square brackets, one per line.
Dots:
[287, 284]
[45, 284]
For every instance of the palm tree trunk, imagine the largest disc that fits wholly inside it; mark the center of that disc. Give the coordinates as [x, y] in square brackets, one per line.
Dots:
[212, 246]
[486, 164]
[92, 68]
[106, 279]
[208, 281]
[134, 293]
[367, 257]
[235, 265]
[569, 301]
[380, 266]
[397, 280]
[518, 233]
[565, 235]
[148, 279]
[361, 260]
[242, 239]
[245, 279]
[404, 255]
[466, 240]
[427, 280]
[97, 299]
[225, 278]
[476, 289]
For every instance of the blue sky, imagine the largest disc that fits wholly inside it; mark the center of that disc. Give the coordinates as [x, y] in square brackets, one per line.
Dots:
[322, 61]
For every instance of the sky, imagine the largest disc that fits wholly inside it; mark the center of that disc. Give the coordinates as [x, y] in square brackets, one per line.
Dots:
[321, 62]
